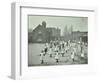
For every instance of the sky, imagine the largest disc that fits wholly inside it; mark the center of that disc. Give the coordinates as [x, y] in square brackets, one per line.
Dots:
[78, 23]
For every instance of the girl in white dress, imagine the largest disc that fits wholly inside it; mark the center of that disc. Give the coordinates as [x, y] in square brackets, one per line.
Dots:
[50, 52]
[42, 57]
[56, 57]
[72, 56]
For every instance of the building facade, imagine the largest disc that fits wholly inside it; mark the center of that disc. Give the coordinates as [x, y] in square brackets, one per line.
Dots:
[43, 34]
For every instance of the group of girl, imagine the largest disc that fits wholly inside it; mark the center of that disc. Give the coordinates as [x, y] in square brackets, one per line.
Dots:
[57, 49]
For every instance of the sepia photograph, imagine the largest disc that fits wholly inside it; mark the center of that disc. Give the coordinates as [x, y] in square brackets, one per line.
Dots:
[57, 40]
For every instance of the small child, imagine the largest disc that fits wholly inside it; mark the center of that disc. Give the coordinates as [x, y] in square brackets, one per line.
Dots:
[50, 52]
[72, 56]
[42, 57]
[82, 55]
[56, 57]
[62, 52]
[45, 50]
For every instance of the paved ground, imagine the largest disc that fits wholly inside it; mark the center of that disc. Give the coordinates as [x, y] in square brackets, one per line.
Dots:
[34, 58]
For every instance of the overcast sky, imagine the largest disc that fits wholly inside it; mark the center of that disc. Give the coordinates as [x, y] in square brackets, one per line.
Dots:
[78, 23]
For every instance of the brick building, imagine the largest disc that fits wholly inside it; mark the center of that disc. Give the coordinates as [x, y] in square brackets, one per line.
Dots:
[42, 34]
